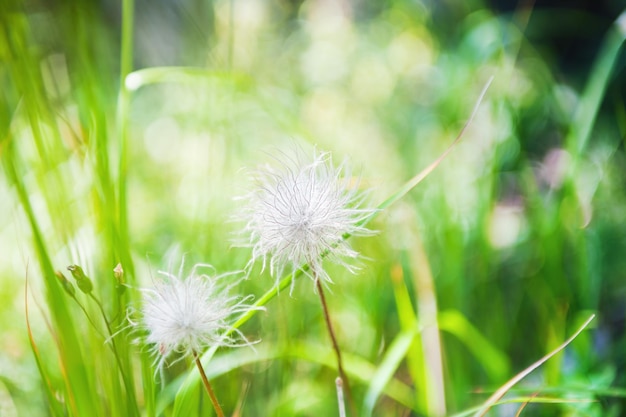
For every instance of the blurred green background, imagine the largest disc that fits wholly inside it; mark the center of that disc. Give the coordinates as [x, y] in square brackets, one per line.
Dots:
[127, 128]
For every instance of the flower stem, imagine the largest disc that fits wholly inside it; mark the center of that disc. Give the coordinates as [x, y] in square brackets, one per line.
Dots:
[207, 385]
[342, 375]
[130, 391]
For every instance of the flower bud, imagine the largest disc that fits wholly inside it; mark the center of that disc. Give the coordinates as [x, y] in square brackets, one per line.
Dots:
[82, 280]
[67, 286]
[118, 272]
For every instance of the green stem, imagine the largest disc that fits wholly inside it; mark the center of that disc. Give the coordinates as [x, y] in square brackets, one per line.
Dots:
[127, 384]
[126, 67]
[88, 317]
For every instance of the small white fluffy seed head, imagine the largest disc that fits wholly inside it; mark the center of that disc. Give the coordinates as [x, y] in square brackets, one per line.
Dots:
[300, 213]
[187, 315]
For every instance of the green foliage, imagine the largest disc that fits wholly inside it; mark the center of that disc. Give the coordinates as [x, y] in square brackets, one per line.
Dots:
[492, 250]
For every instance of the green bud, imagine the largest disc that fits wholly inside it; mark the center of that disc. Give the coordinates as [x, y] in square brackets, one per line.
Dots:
[82, 280]
[67, 286]
[118, 272]
[77, 272]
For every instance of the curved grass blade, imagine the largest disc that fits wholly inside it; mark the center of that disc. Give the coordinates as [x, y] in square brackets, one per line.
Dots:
[180, 75]
[530, 399]
[524, 404]
[491, 401]
[594, 92]
[412, 183]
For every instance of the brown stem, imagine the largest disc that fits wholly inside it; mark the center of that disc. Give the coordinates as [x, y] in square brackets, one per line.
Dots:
[342, 374]
[207, 385]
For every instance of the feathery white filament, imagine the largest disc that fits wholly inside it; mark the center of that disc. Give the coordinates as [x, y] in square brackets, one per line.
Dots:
[186, 315]
[301, 212]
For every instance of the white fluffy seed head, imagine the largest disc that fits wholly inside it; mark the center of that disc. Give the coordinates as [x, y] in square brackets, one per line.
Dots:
[187, 315]
[300, 212]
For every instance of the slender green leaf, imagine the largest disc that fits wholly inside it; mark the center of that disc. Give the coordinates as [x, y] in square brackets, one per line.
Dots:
[494, 361]
[395, 354]
[587, 110]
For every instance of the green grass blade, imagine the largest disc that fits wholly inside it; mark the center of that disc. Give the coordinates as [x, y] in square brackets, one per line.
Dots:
[181, 75]
[128, 12]
[495, 362]
[595, 89]
[148, 385]
[408, 321]
[395, 354]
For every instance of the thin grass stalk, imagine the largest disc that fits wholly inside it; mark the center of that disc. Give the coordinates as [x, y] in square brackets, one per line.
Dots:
[122, 233]
[496, 396]
[87, 315]
[525, 403]
[128, 384]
